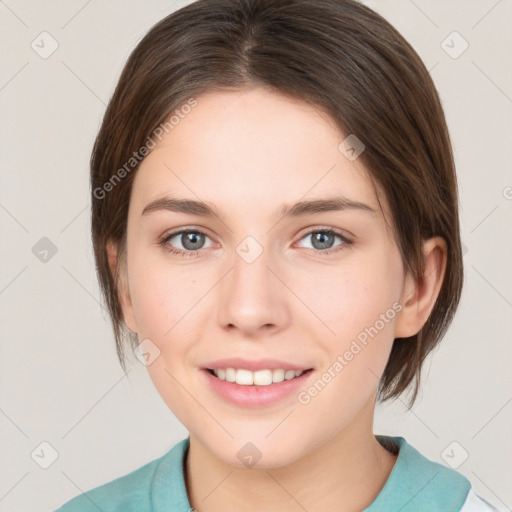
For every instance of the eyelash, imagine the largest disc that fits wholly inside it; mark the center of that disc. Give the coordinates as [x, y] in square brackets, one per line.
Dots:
[329, 231]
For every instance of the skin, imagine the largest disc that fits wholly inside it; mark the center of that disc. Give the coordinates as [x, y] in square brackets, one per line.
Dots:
[249, 152]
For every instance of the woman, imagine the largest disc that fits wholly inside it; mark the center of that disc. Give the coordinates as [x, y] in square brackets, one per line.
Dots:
[276, 232]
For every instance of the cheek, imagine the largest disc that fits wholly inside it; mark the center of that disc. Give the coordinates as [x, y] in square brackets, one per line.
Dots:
[163, 299]
[353, 295]
[169, 307]
[162, 294]
[357, 305]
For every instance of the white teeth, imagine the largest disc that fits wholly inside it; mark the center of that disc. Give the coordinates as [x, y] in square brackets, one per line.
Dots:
[289, 374]
[278, 375]
[258, 378]
[244, 377]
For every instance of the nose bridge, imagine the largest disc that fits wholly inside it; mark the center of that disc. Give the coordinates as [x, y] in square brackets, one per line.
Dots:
[250, 267]
[251, 296]
[250, 275]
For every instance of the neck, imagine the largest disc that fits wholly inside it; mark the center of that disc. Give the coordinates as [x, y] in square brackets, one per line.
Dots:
[345, 474]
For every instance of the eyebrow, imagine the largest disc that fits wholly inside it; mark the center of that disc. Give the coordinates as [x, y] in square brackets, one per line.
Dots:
[302, 208]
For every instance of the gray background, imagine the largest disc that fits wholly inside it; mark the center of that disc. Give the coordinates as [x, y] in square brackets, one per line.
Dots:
[60, 381]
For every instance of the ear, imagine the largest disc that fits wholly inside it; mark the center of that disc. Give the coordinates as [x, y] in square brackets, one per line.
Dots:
[123, 291]
[418, 299]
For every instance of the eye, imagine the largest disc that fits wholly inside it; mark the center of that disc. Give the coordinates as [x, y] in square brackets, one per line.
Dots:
[322, 240]
[191, 241]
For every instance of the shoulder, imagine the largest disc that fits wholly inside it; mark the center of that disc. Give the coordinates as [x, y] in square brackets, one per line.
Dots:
[129, 493]
[126, 493]
[418, 484]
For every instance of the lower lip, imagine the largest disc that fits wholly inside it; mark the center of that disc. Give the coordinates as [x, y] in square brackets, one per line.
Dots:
[255, 396]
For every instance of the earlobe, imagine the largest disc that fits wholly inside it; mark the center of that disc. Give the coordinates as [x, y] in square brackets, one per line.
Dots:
[419, 298]
[123, 292]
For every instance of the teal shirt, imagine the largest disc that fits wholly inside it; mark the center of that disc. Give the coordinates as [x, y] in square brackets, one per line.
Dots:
[415, 484]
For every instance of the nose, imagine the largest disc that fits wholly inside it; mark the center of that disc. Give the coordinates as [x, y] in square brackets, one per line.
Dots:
[252, 297]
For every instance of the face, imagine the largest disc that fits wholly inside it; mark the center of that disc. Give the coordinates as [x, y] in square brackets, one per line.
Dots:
[253, 283]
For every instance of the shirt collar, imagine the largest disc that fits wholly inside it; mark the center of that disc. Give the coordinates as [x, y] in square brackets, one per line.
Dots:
[415, 484]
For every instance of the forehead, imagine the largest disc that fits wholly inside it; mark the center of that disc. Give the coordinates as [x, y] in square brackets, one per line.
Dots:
[252, 148]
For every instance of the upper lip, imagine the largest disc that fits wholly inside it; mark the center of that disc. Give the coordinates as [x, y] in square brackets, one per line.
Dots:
[255, 365]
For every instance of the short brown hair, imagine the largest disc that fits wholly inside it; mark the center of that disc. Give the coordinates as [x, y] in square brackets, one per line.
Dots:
[337, 55]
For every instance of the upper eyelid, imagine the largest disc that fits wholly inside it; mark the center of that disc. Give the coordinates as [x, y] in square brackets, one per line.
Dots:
[312, 229]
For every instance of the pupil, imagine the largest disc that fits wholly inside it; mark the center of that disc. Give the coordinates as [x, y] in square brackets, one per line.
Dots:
[192, 238]
[319, 238]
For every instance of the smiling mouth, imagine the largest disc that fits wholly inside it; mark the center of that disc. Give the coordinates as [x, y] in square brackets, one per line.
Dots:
[245, 377]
